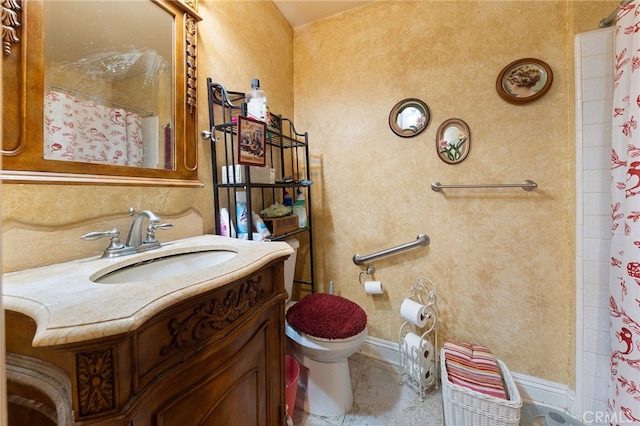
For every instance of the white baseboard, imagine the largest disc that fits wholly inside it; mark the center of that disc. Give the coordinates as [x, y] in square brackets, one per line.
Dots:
[544, 392]
[532, 389]
[382, 350]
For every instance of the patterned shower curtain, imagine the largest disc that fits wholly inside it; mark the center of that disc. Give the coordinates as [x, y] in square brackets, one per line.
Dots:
[624, 278]
[77, 130]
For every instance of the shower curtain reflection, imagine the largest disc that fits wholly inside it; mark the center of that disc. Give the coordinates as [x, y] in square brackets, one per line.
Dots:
[77, 130]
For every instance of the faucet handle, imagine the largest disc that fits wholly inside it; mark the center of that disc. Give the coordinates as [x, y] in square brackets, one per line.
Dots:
[114, 234]
[151, 236]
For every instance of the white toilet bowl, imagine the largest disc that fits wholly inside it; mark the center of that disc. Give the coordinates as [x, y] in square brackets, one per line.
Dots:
[323, 332]
[325, 376]
[325, 379]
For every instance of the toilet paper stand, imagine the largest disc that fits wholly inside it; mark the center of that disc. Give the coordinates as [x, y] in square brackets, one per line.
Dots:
[418, 345]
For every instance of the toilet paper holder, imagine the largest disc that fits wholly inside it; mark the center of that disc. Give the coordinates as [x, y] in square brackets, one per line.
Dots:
[370, 287]
[420, 373]
[369, 271]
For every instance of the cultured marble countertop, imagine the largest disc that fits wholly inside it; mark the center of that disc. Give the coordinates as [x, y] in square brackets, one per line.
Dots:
[68, 307]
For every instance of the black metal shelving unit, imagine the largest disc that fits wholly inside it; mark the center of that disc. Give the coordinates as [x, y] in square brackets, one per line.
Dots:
[287, 151]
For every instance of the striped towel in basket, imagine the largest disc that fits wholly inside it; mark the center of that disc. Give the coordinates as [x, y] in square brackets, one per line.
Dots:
[473, 366]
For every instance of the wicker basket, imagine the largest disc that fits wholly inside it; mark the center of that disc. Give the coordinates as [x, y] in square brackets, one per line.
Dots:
[466, 407]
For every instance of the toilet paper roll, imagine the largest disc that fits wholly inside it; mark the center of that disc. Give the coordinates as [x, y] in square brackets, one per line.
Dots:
[423, 374]
[373, 287]
[413, 312]
[423, 347]
[426, 375]
[421, 353]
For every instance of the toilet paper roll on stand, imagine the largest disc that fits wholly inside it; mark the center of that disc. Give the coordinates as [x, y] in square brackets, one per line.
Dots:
[424, 348]
[373, 287]
[421, 353]
[413, 312]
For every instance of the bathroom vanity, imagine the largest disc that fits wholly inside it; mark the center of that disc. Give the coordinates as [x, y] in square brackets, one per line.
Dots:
[201, 348]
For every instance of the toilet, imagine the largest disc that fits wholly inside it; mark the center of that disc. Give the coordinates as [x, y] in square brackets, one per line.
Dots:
[323, 331]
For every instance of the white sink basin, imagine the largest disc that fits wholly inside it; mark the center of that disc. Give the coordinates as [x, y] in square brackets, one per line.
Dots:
[166, 267]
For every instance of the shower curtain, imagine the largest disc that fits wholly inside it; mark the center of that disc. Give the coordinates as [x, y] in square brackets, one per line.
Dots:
[624, 277]
[77, 130]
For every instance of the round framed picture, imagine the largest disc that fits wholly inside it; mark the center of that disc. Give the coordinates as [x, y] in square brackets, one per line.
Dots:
[409, 117]
[524, 80]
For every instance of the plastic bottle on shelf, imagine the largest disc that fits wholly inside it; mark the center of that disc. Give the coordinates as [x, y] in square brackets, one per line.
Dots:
[287, 199]
[256, 101]
[259, 224]
[226, 226]
[300, 209]
[241, 215]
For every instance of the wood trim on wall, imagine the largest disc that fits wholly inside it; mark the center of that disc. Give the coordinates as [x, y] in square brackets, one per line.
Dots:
[3, 374]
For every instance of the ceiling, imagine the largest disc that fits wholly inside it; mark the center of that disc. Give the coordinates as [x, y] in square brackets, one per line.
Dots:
[300, 12]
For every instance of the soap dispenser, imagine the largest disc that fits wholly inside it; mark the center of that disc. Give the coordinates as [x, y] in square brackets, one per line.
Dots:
[300, 209]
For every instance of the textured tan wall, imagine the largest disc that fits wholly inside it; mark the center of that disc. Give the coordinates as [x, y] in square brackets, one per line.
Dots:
[587, 14]
[502, 260]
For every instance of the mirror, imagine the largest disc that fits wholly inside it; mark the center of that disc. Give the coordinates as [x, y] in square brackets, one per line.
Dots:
[453, 141]
[108, 94]
[409, 117]
[99, 104]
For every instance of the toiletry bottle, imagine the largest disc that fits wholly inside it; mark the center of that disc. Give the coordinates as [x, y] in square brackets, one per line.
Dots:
[287, 199]
[300, 209]
[226, 225]
[256, 101]
[260, 225]
[224, 222]
[241, 215]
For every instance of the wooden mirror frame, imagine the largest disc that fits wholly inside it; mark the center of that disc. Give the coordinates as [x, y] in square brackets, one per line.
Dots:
[23, 105]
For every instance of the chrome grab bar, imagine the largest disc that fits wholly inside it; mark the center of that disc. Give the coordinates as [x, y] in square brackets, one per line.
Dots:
[527, 185]
[421, 240]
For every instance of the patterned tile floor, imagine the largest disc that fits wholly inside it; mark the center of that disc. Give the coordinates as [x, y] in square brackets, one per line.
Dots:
[379, 399]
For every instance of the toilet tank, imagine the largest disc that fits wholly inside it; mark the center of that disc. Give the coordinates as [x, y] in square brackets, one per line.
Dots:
[290, 266]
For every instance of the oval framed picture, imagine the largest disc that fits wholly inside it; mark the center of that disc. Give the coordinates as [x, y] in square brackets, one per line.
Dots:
[524, 80]
[453, 141]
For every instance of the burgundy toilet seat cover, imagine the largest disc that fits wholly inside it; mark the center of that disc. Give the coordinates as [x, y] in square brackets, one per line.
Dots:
[327, 316]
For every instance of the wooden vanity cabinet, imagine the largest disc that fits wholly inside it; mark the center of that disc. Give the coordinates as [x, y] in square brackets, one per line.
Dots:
[214, 359]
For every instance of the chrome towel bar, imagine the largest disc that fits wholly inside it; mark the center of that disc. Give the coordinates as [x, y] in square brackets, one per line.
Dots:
[527, 185]
[421, 240]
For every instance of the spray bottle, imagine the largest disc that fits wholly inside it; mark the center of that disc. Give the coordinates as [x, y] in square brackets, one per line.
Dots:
[300, 209]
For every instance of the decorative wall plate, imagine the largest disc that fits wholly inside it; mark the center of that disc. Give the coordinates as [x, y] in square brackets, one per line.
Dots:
[453, 141]
[524, 80]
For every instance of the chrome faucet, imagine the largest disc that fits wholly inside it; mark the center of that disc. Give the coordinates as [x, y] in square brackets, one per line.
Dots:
[134, 242]
[135, 232]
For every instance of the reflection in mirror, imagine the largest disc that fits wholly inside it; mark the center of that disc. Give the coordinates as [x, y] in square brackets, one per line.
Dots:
[109, 83]
[453, 141]
[409, 117]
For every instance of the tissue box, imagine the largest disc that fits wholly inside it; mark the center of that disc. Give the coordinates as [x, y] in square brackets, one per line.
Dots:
[235, 174]
[281, 225]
